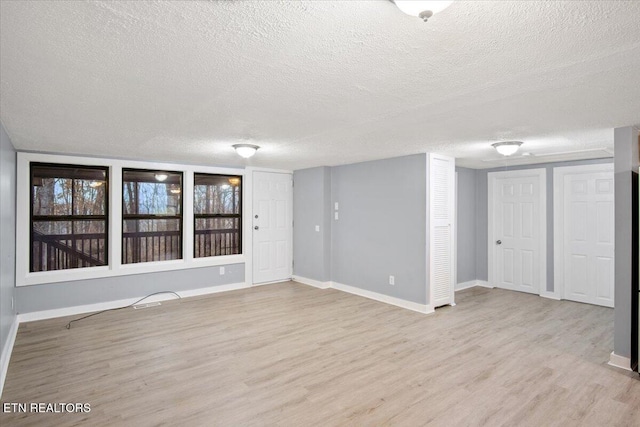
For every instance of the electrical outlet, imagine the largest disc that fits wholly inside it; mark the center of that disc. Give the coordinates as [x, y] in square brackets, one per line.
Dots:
[392, 280]
[317, 228]
[222, 271]
[336, 216]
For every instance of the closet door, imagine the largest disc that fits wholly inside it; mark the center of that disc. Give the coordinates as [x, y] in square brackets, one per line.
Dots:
[441, 215]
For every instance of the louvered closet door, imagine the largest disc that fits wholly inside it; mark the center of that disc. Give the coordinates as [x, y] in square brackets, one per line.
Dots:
[441, 190]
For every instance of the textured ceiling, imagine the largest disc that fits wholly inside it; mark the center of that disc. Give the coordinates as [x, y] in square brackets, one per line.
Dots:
[317, 82]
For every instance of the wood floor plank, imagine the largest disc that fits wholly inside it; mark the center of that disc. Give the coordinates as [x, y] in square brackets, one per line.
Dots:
[292, 355]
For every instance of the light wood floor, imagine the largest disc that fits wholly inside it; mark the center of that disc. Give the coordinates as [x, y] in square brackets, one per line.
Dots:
[289, 354]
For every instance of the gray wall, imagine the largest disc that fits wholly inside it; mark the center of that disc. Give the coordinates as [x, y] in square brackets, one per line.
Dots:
[466, 223]
[482, 220]
[7, 235]
[381, 229]
[626, 161]
[92, 291]
[311, 201]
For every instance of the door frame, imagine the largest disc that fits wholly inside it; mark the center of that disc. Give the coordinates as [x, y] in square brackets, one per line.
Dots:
[492, 179]
[558, 215]
[247, 218]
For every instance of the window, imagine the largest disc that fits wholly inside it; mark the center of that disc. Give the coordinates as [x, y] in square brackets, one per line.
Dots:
[217, 208]
[151, 215]
[69, 221]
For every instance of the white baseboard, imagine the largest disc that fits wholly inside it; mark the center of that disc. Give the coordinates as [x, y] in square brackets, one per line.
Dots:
[620, 361]
[88, 308]
[465, 285]
[213, 289]
[484, 284]
[288, 279]
[473, 283]
[550, 295]
[6, 352]
[409, 305]
[311, 282]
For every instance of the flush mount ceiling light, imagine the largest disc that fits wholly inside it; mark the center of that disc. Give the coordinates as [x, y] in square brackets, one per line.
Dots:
[95, 184]
[234, 180]
[507, 148]
[423, 9]
[161, 176]
[245, 150]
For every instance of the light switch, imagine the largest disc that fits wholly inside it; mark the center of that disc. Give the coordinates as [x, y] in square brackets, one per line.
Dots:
[336, 206]
[317, 228]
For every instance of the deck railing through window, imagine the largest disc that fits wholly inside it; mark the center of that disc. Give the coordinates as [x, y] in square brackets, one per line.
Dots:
[165, 245]
[63, 251]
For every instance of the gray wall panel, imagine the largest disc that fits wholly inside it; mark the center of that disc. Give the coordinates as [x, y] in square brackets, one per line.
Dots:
[7, 235]
[626, 161]
[466, 223]
[93, 291]
[381, 229]
[311, 196]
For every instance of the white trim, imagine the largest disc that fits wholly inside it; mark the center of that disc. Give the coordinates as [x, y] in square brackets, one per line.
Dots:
[288, 279]
[311, 282]
[247, 229]
[455, 235]
[409, 305]
[559, 174]
[473, 283]
[550, 295]
[25, 278]
[259, 169]
[619, 361]
[466, 285]
[89, 308]
[541, 174]
[248, 207]
[432, 222]
[485, 284]
[6, 352]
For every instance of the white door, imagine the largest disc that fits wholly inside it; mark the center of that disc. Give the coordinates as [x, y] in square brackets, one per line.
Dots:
[272, 227]
[517, 230]
[584, 228]
[441, 188]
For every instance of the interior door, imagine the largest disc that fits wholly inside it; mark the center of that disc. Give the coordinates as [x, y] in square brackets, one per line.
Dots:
[587, 230]
[442, 196]
[272, 227]
[517, 217]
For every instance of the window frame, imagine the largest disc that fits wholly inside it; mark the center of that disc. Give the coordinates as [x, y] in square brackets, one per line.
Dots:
[114, 236]
[71, 217]
[137, 217]
[211, 216]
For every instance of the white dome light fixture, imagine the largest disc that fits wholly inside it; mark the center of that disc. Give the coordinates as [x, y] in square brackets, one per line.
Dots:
[161, 176]
[507, 148]
[245, 150]
[423, 9]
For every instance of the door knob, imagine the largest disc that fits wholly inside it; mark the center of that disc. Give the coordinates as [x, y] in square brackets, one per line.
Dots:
[498, 242]
[256, 227]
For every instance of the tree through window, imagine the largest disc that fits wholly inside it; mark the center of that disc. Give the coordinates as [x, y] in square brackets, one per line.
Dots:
[217, 208]
[69, 222]
[151, 215]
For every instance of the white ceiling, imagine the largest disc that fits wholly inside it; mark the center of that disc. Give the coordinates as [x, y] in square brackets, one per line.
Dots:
[317, 82]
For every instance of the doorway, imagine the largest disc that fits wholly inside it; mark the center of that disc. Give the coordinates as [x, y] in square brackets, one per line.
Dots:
[517, 230]
[272, 227]
[584, 229]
